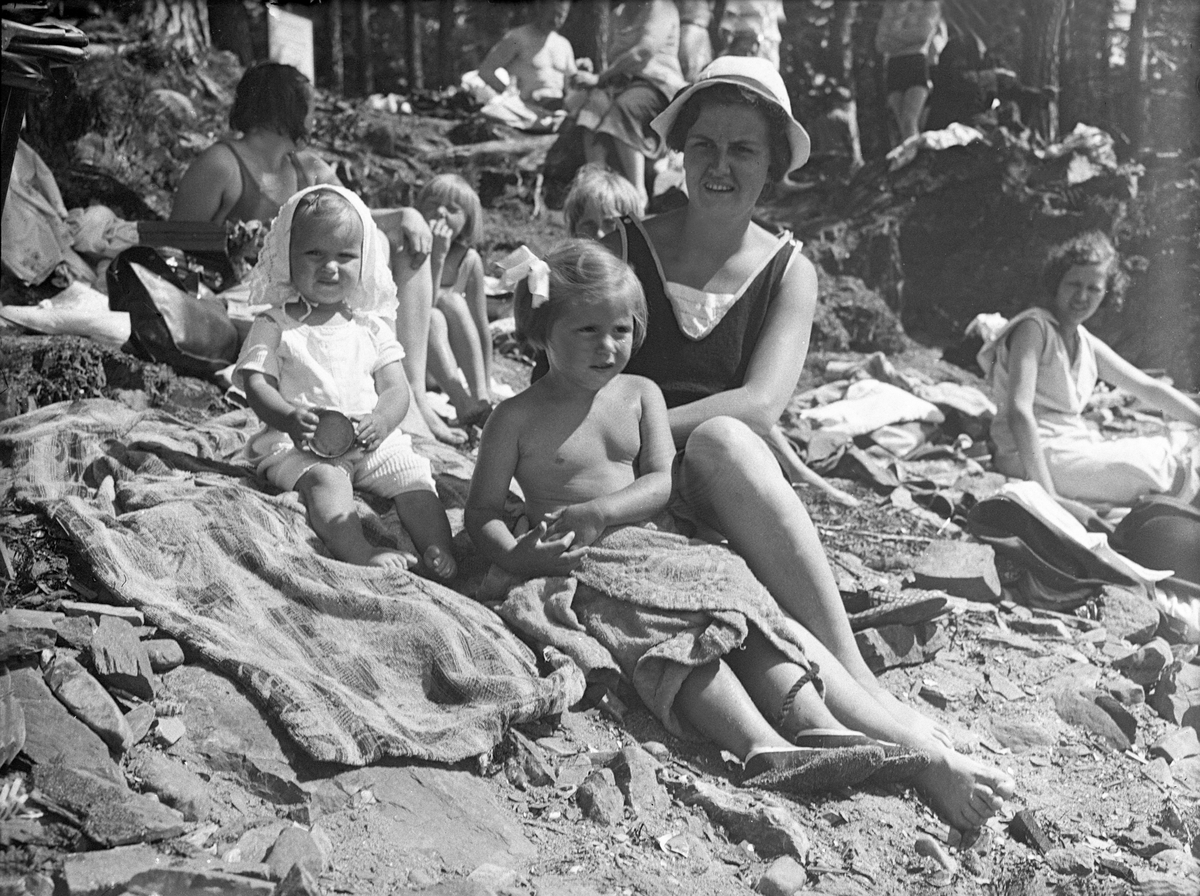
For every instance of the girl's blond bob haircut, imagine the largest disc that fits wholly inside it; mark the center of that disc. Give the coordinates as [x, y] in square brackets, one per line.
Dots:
[453, 188]
[607, 191]
[580, 271]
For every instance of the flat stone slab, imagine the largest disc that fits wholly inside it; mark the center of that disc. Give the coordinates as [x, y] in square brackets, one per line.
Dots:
[961, 568]
[106, 871]
[441, 818]
[25, 632]
[53, 735]
[99, 611]
[88, 700]
[121, 660]
[112, 814]
[230, 733]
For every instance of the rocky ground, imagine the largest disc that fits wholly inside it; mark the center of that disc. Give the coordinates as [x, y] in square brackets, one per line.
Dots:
[202, 794]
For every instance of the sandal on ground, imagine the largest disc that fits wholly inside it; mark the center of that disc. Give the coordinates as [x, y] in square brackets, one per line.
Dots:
[803, 770]
[899, 763]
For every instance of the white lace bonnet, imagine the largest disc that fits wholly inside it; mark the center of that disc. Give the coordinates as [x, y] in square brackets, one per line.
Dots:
[271, 278]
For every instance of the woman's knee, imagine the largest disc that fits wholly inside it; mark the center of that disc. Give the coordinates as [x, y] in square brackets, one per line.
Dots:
[722, 444]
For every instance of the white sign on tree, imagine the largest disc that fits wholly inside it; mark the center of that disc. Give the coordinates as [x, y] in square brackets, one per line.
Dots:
[290, 40]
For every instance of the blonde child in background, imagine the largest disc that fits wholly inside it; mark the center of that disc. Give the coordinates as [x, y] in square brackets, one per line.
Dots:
[329, 342]
[459, 338]
[597, 199]
[591, 449]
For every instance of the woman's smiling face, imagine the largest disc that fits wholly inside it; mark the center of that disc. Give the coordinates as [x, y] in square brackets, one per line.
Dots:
[1080, 293]
[726, 157]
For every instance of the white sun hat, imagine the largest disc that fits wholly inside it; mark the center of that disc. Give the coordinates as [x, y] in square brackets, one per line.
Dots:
[753, 74]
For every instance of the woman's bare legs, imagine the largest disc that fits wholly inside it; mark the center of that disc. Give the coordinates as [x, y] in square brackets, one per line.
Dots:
[732, 481]
[443, 367]
[631, 165]
[907, 107]
[464, 342]
[414, 286]
[962, 790]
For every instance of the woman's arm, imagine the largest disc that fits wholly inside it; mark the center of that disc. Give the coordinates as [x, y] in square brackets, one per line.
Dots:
[775, 366]
[531, 554]
[318, 170]
[477, 302]
[1116, 370]
[643, 498]
[209, 187]
[407, 231]
[1025, 345]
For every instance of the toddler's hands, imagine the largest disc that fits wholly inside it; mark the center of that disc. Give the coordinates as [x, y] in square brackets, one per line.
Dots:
[301, 424]
[537, 554]
[581, 520]
[371, 432]
[584, 79]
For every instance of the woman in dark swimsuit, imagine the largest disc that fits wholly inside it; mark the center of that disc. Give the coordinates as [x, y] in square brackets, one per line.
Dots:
[730, 312]
[247, 178]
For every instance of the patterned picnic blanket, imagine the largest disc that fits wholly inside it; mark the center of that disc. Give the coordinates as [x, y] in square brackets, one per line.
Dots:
[357, 664]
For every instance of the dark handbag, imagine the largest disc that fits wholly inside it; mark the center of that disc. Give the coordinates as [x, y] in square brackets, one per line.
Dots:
[168, 324]
[1162, 532]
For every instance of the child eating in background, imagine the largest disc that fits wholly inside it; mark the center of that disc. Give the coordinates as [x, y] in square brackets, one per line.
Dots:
[329, 342]
[592, 451]
[459, 337]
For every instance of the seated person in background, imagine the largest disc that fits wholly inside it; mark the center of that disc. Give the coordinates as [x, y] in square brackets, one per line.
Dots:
[642, 75]
[459, 337]
[597, 200]
[1044, 366]
[248, 178]
[535, 56]
[695, 43]
[963, 87]
[328, 341]
[751, 28]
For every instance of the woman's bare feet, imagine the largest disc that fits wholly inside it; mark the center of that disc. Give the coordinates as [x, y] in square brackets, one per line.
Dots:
[912, 718]
[442, 431]
[964, 792]
[440, 562]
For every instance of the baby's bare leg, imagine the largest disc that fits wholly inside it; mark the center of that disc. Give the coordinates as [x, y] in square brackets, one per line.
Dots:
[328, 497]
[425, 521]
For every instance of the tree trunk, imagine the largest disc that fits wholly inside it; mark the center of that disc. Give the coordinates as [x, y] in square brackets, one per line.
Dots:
[447, 57]
[366, 58]
[337, 54]
[181, 23]
[1137, 76]
[412, 34]
[1043, 20]
[841, 48]
[229, 28]
[1085, 82]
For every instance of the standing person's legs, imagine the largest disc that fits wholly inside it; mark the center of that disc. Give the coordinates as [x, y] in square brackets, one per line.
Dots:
[908, 108]
[732, 482]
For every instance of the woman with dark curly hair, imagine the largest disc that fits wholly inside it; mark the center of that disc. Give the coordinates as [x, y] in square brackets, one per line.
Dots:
[1044, 366]
[247, 178]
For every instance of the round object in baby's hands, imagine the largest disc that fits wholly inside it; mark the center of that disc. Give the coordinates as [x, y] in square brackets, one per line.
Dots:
[335, 434]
